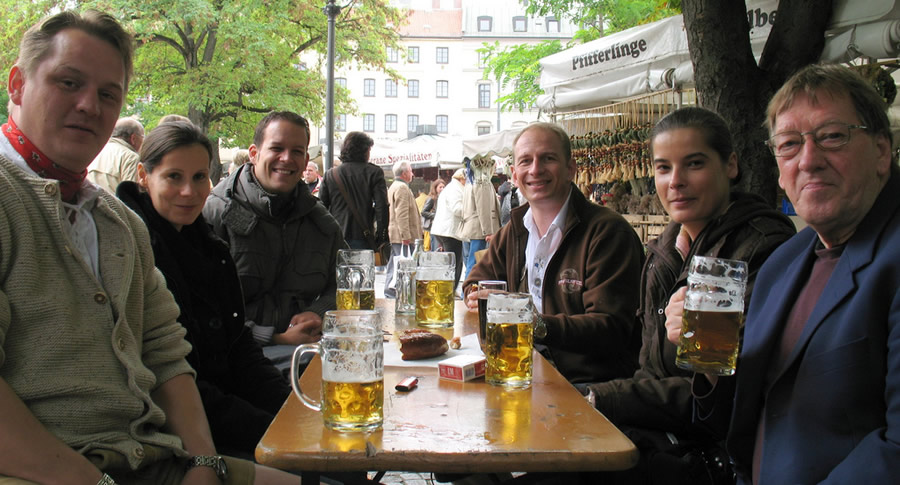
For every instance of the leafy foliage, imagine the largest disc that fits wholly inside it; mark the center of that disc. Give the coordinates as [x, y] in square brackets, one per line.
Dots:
[225, 62]
[604, 17]
[518, 66]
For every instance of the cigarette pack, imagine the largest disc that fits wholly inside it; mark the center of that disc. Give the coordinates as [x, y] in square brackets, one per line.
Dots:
[462, 367]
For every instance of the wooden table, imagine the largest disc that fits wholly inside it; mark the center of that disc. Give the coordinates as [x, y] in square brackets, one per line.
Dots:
[453, 427]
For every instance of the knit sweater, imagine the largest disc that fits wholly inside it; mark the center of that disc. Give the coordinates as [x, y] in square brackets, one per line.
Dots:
[85, 355]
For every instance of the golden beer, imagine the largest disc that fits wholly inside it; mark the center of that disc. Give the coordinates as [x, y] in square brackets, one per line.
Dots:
[434, 303]
[508, 349]
[353, 406]
[709, 341]
[347, 301]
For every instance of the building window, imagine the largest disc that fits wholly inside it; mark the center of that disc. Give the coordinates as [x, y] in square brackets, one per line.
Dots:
[484, 95]
[442, 55]
[484, 129]
[552, 24]
[390, 123]
[412, 55]
[412, 122]
[520, 24]
[369, 122]
[340, 123]
[391, 54]
[441, 121]
[482, 60]
[412, 88]
[443, 89]
[340, 82]
[368, 87]
[390, 88]
[485, 24]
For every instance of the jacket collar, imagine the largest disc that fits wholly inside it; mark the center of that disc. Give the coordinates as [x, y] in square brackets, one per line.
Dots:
[858, 253]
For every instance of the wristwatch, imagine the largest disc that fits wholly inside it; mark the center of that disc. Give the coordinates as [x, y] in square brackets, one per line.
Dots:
[540, 327]
[217, 463]
[106, 480]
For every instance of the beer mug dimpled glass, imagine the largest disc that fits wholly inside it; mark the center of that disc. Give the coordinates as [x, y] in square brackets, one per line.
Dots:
[434, 289]
[356, 279]
[509, 339]
[713, 316]
[352, 352]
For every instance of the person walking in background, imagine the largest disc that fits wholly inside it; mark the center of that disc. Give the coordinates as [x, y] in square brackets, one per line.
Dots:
[241, 157]
[509, 200]
[366, 192]
[240, 388]
[118, 160]
[448, 220]
[405, 223]
[429, 208]
[481, 209]
[312, 178]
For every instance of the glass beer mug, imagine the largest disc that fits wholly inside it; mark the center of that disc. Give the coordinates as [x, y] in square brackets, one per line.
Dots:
[434, 289]
[509, 340]
[713, 316]
[352, 353]
[356, 279]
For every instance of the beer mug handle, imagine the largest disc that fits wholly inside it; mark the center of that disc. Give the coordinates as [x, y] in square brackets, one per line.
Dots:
[295, 379]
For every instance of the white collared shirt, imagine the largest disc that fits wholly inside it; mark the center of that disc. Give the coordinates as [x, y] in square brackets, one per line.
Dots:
[83, 231]
[540, 250]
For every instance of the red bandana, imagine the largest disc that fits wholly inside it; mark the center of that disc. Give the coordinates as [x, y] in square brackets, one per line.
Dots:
[69, 181]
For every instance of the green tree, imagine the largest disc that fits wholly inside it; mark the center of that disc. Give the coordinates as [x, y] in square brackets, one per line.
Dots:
[518, 66]
[223, 63]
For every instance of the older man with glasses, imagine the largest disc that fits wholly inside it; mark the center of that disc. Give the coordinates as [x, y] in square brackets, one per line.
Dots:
[817, 392]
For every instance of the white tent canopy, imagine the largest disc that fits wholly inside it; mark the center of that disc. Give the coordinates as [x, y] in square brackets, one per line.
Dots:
[655, 57]
[495, 144]
[421, 151]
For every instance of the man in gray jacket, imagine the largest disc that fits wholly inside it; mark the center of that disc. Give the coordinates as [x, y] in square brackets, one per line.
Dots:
[283, 241]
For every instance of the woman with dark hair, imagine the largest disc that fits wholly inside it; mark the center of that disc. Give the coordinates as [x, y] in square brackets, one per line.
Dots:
[356, 194]
[241, 390]
[428, 210]
[695, 167]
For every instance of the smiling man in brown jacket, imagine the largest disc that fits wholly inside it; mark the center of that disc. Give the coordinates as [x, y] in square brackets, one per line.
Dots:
[580, 262]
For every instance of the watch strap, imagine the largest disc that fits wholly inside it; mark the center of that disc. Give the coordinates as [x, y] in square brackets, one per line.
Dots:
[106, 480]
[217, 463]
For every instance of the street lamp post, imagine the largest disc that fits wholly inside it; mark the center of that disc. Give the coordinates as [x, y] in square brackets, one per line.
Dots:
[332, 11]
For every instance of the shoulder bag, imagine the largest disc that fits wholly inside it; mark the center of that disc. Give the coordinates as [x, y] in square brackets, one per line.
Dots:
[382, 252]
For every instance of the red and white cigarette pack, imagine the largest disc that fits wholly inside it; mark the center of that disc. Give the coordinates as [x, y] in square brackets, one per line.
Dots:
[462, 367]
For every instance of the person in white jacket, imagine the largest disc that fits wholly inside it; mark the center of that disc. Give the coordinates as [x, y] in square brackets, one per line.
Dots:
[448, 218]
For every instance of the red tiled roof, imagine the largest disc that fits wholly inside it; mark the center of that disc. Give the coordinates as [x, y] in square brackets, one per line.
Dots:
[433, 23]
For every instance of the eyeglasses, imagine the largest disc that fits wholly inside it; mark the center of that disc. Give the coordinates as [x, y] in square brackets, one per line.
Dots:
[828, 137]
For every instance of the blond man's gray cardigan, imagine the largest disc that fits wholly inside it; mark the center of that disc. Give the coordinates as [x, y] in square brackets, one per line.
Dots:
[85, 355]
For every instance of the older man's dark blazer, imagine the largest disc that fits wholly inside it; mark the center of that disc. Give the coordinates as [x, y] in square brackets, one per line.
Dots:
[833, 411]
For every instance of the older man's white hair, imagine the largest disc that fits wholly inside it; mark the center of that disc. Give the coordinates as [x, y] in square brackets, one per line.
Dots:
[399, 168]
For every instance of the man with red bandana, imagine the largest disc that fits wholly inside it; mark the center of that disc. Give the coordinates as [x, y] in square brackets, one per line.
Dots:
[283, 241]
[580, 262]
[94, 386]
